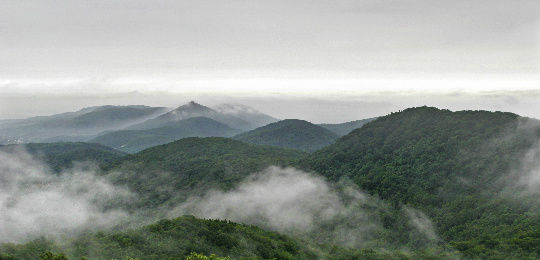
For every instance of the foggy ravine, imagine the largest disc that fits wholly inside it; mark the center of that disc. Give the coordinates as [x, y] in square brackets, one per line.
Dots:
[34, 201]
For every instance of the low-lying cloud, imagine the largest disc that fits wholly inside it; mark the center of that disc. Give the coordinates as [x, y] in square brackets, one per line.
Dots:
[34, 201]
[294, 202]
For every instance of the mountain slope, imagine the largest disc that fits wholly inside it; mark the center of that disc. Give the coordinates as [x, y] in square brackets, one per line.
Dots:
[190, 110]
[461, 168]
[347, 127]
[248, 114]
[167, 174]
[171, 239]
[290, 133]
[62, 155]
[136, 140]
[74, 126]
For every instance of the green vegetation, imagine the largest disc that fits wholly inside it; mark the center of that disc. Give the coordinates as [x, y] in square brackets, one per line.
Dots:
[290, 133]
[62, 155]
[169, 239]
[170, 173]
[347, 127]
[451, 165]
[136, 140]
[461, 169]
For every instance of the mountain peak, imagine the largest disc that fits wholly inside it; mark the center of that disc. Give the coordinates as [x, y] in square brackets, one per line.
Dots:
[192, 105]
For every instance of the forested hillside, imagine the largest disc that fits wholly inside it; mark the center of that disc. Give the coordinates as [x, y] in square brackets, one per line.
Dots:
[170, 239]
[290, 133]
[463, 169]
[62, 155]
[170, 173]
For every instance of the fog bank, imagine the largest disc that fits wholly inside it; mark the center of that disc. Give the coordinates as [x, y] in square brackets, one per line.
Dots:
[34, 201]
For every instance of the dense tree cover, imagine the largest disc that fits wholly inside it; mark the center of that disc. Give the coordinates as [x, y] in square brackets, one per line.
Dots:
[136, 140]
[169, 239]
[193, 165]
[290, 133]
[453, 166]
[347, 127]
[191, 238]
[62, 155]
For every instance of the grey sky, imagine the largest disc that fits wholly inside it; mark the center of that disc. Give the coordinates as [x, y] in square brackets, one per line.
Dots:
[69, 48]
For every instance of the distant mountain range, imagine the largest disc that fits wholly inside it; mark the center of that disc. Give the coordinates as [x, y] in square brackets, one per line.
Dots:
[135, 128]
[138, 127]
[74, 126]
[193, 109]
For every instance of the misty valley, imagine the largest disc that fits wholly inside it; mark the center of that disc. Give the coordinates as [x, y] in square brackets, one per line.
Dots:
[231, 182]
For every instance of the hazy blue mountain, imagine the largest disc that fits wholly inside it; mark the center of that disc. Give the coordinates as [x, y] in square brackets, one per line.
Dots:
[347, 127]
[74, 126]
[136, 140]
[190, 110]
[290, 133]
[62, 155]
[248, 114]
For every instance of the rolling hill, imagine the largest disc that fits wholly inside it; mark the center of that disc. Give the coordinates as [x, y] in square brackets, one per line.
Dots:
[167, 174]
[62, 155]
[136, 140]
[290, 133]
[463, 169]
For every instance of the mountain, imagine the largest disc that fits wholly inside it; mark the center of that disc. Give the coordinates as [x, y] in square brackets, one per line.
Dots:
[248, 114]
[136, 140]
[74, 126]
[347, 127]
[465, 170]
[170, 239]
[62, 155]
[290, 133]
[167, 174]
[190, 110]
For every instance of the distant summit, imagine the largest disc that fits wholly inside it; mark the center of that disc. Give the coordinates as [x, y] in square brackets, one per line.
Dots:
[249, 114]
[190, 110]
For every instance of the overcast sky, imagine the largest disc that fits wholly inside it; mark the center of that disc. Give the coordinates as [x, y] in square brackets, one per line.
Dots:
[289, 58]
